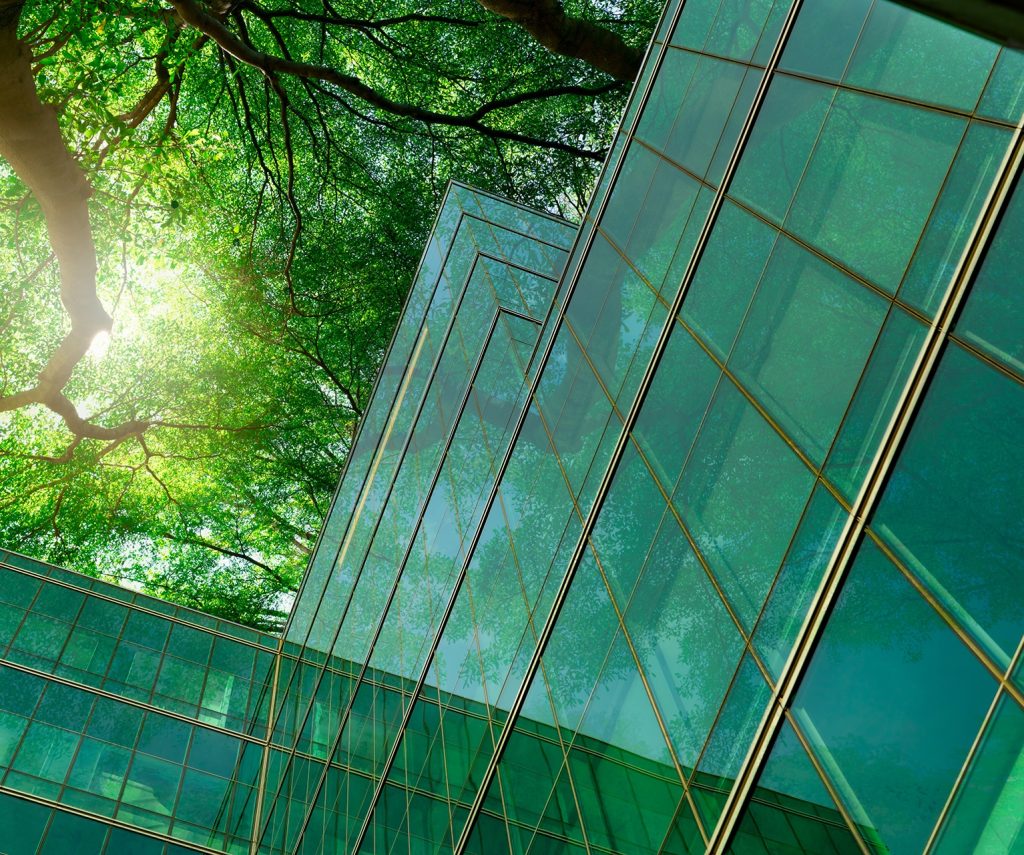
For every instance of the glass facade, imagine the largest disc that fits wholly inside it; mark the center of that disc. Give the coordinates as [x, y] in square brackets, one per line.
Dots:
[695, 529]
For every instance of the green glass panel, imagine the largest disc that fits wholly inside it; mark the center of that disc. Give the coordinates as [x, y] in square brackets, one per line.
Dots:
[19, 692]
[99, 768]
[872, 181]
[780, 144]
[165, 737]
[957, 519]
[1004, 96]
[666, 100]
[65, 706]
[734, 124]
[675, 405]
[575, 654]
[687, 244]
[741, 495]
[771, 32]
[68, 833]
[624, 808]
[993, 316]
[622, 538]
[728, 273]
[45, 752]
[86, 651]
[729, 741]
[10, 619]
[41, 638]
[891, 702]
[824, 36]
[798, 579]
[103, 616]
[956, 212]
[59, 602]
[133, 667]
[123, 841]
[115, 722]
[737, 29]
[214, 752]
[986, 815]
[188, 643]
[202, 799]
[180, 679]
[11, 728]
[151, 786]
[701, 127]
[18, 588]
[668, 210]
[489, 836]
[695, 22]
[146, 630]
[877, 394]
[684, 836]
[790, 812]
[804, 344]
[629, 193]
[906, 53]
[685, 640]
[21, 825]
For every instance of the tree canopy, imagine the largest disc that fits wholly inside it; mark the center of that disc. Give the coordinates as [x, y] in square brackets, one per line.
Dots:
[212, 211]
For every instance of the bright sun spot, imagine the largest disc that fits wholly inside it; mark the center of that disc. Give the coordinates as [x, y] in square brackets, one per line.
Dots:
[100, 343]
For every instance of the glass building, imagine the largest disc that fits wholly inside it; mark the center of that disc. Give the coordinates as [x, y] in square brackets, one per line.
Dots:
[696, 528]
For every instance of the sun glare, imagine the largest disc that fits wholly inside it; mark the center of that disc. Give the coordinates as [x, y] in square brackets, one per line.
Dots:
[100, 342]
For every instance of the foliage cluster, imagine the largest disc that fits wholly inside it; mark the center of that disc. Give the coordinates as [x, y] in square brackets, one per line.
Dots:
[256, 228]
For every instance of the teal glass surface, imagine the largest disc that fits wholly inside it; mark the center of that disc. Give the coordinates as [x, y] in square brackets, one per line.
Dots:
[675, 406]
[740, 28]
[892, 701]
[871, 183]
[670, 209]
[824, 36]
[1004, 97]
[954, 217]
[985, 813]
[716, 92]
[993, 316]
[804, 343]
[668, 90]
[790, 810]
[798, 579]
[780, 144]
[878, 392]
[727, 744]
[695, 21]
[727, 276]
[685, 640]
[903, 52]
[973, 497]
[741, 495]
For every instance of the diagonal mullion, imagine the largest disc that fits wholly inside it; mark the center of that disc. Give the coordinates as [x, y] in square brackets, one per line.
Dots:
[870, 493]
[394, 589]
[631, 417]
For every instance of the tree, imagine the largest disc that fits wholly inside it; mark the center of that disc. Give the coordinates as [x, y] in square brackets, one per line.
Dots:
[235, 195]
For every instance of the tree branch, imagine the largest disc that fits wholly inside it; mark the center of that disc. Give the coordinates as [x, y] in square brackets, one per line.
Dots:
[31, 141]
[547, 22]
[193, 15]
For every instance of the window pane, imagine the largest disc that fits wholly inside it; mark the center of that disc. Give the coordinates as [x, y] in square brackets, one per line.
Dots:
[741, 495]
[871, 183]
[804, 344]
[993, 316]
[892, 699]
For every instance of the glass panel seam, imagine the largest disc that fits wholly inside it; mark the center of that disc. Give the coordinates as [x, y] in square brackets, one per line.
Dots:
[869, 494]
